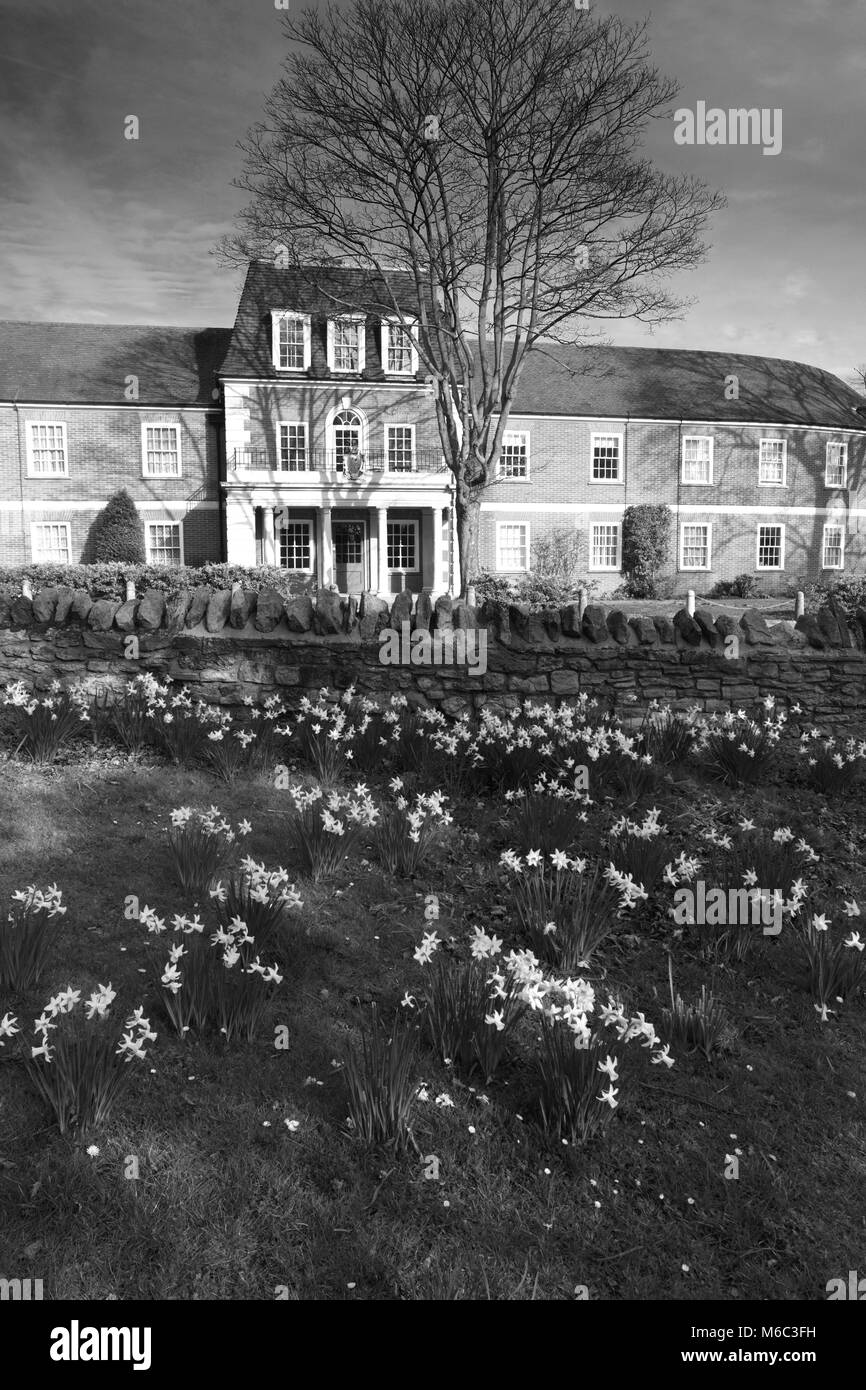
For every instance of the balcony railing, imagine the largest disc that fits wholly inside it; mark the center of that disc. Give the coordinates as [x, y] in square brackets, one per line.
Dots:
[345, 467]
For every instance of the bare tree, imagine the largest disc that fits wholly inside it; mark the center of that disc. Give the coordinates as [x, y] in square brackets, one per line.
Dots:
[492, 148]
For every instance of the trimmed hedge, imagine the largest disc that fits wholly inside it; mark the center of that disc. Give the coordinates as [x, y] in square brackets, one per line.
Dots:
[108, 580]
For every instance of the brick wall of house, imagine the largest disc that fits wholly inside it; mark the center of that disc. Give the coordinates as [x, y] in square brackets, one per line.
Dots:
[263, 406]
[104, 453]
[560, 494]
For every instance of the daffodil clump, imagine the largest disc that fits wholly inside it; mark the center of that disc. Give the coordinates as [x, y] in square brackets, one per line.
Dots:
[28, 935]
[45, 723]
[324, 826]
[833, 765]
[325, 733]
[472, 1007]
[407, 832]
[551, 815]
[564, 906]
[202, 843]
[640, 849]
[737, 747]
[836, 964]
[263, 898]
[213, 981]
[79, 1063]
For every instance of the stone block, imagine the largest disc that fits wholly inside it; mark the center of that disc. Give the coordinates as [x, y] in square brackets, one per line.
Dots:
[197, 610]
[151, 610]
[101, 615]
[299, 613]
[218, 609]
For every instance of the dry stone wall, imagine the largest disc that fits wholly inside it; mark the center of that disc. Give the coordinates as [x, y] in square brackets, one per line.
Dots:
[230, 645]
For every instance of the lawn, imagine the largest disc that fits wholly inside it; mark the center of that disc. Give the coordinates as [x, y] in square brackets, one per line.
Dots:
[250, 1184]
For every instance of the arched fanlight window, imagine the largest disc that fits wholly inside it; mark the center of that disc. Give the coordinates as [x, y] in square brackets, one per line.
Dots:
[347, 433]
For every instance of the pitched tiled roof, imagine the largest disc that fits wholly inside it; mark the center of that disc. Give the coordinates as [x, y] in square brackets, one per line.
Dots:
[85, 363]
[321, 292]
[673, 384]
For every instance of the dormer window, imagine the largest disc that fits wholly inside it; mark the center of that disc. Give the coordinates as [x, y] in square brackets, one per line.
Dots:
[399, 353]
[291, 341]
[346, 343]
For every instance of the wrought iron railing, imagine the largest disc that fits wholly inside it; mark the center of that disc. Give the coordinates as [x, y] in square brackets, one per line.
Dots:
[347, 467]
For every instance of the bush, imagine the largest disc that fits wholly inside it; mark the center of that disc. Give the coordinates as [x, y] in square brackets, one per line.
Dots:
[849, 594]
[537, 591]
[742, 586]
[646, 531]
[107, 579]
[118, 532]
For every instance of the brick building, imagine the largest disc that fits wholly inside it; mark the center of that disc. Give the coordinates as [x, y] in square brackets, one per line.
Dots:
[306, 437]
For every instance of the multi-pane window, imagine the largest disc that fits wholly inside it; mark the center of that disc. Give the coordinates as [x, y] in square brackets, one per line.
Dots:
[48, 450]
[771, 548]
[400, 448]
[400, 350]
[605, 458]
[291, 342]
[346, 434]
[164, 543]
[161, 449]
[772, 462]
[402, 545]
[49, 542]
[296, 545]
[698, 459]
[836, 467]
[512, 546]
[833, 557]
[514, 455]
[347, 344]
[604, 546]
[293, 447]
[695, 547]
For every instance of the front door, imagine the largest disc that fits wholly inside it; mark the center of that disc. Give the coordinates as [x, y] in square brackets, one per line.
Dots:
[350, 543]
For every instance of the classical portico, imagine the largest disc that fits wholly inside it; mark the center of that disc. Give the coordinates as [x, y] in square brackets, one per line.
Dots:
[381, 533]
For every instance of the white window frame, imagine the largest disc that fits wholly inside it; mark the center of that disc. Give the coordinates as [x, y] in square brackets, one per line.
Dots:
[605, 569]
[310, 529]
[692, 482]
[164, 521]
[708, 527]
[510, 435]
[842, 446]
[409, 326]
[32, 471]
[606, 434]
[359, 320]
[35, 528]
[277, 316]
[833, 526]
[775, 526]
[773, 439]
[398, 425]
[296, 425]
[160, 425]
[521, 569]
[397, 521]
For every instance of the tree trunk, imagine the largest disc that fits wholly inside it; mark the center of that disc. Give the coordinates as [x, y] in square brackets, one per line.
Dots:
[468, 511]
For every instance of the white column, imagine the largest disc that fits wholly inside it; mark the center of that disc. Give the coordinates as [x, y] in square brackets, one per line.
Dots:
[326, 568]
[437, 576]
[383, 583]
[269, 550]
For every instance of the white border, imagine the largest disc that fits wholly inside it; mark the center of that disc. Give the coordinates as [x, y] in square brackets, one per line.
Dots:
[408, 325]
[843, 444]
[832, 526]
[770, 440]
[163, 521]
[311, 532]
[161, 425]
[34, 526]
[29, 446]
[277, 315]
[619, 480]
[295, 424]
[686, 482]
[398, 425]
[360, 322]
[771, 569]
[694, 569]
[521, 569]
[605, 569]
[523, 478]
[398, 521]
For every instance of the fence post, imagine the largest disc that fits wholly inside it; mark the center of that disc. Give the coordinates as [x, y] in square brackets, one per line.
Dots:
[690, 602]
[799, 604]
[130, 590]
[26, 588]
[471, 597]
[581, 602]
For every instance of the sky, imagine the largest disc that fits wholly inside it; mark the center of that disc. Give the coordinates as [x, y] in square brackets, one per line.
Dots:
[96, 228]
